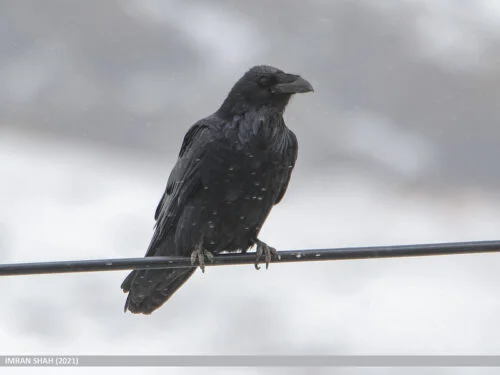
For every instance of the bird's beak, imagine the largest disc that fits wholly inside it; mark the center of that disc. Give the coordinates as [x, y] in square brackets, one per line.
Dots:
[293, 85]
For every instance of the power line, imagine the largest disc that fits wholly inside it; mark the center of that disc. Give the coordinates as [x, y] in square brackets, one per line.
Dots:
[372, 252]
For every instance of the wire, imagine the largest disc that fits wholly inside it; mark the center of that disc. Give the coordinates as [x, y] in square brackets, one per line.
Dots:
[371, 252]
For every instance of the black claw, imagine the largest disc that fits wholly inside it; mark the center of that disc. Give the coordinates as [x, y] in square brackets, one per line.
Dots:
[198, 256]
[266, 250]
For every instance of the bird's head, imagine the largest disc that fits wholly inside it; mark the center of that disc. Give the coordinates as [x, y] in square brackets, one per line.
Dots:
[264, 85]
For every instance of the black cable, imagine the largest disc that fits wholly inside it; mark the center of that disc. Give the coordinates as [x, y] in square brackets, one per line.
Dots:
[249, 258]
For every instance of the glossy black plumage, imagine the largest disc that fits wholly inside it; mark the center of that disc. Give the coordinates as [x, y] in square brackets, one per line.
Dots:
[233, 167]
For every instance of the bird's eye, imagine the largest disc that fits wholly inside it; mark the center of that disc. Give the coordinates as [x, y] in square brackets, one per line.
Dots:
[264, 81]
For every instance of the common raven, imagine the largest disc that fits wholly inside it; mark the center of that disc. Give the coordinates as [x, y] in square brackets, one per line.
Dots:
[233, 166]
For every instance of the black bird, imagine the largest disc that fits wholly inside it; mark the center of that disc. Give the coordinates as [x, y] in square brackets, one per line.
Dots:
[233, 166]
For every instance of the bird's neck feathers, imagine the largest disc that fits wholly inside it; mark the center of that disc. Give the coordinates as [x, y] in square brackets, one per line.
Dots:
[237, 105]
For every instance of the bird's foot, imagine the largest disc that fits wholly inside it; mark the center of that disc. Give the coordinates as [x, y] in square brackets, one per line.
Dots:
[266, 250]
[198, 256]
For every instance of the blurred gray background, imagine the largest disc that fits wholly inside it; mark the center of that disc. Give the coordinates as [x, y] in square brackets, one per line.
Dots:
[399, 144]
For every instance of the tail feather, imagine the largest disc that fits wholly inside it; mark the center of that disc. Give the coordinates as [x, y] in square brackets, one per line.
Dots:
[150, 289]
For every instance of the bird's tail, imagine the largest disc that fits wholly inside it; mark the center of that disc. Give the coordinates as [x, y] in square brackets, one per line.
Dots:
[149, 289]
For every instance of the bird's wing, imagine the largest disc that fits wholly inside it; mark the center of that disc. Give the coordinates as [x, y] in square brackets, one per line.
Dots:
[173, 179]
[291, 148]
[184, 180]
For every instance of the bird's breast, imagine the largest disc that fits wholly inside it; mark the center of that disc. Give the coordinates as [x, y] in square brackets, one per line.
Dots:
[244, 168]
[248, 156]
